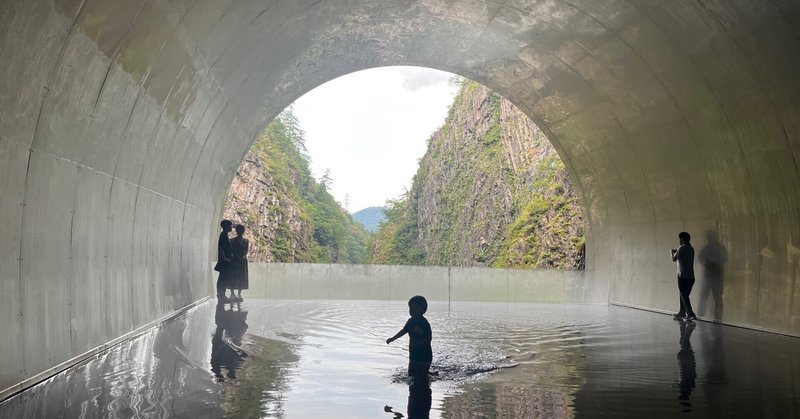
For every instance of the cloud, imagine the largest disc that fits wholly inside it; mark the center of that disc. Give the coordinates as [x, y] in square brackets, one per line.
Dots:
[417, 78]
[370, 127]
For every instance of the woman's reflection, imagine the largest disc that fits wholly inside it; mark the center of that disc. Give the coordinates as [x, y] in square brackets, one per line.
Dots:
[226, 351]
[686, 366]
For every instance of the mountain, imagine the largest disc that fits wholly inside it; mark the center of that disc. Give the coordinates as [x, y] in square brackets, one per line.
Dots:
[490, 191]
[370, 218]
[289, 215]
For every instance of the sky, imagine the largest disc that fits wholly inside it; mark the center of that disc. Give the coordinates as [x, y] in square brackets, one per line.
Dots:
[370, 128]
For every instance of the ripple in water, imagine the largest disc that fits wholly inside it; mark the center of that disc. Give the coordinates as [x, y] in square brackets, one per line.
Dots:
[329, 359]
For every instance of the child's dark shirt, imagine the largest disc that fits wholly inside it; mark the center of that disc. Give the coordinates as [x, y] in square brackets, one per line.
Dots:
[419, 343]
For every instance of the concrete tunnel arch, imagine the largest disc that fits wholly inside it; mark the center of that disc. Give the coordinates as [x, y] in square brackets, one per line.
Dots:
[123, 121]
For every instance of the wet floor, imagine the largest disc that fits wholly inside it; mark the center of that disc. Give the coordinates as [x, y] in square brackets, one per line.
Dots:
[306, 359]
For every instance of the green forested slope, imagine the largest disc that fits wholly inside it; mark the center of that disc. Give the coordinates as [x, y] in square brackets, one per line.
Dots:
[489, 191]
[290, 216]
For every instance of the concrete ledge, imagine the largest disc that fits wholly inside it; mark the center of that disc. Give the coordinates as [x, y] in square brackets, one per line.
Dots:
[44, 375]
[702, 319]
[320, 281]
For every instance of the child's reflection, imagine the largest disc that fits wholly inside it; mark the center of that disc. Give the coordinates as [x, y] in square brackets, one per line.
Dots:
[419, 397]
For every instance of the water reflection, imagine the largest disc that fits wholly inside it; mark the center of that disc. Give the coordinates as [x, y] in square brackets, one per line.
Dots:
[226, 351]
[687, 367]
[319, 359]
[162, 373]
[419, 398]
[713, 355]
[253, 371]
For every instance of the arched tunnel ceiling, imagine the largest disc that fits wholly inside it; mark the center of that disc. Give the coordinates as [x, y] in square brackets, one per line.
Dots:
[123, 122]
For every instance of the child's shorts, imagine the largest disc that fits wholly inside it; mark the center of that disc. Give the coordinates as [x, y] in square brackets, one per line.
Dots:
[416, 368]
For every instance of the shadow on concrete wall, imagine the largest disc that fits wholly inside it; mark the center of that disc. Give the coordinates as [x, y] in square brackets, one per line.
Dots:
[713, 258]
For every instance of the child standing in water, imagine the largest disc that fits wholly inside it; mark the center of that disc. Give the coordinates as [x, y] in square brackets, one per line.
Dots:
[420, 354]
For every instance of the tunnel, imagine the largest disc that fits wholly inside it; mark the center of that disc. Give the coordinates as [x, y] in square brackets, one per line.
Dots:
[123, 123]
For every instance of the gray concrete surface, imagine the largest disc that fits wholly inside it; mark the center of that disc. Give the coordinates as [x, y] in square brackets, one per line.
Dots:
[123, 121]
[322, 281]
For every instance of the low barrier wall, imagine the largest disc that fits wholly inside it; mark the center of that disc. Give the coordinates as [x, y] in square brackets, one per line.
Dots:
[314, 281]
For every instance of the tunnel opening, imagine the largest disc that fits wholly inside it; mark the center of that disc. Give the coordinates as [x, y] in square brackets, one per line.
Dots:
[504, 200]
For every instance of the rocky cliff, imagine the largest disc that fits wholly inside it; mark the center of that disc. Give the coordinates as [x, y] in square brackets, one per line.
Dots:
[278, 229]
[290, 216]
[490, 191]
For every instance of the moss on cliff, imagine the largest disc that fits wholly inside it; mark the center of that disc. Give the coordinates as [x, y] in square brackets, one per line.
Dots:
[290, 215]
[490, 191]
[545, 234]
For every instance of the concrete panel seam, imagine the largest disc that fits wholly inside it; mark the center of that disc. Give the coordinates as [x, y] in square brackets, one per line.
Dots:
[202, 149]
[113, 177]
[19, 259]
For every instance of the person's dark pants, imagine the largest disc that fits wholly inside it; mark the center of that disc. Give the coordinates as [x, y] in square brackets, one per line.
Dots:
[222, 284]
[418, 368]
[685, 288]
[220, 289]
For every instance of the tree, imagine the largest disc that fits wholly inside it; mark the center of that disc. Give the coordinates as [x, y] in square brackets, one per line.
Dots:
[326, 180]
[334, 236]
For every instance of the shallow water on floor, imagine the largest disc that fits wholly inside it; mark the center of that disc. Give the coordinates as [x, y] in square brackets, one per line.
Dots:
[302, 359]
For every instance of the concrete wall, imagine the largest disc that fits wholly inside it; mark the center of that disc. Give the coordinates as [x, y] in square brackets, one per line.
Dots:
[315, 281]
[123, 121]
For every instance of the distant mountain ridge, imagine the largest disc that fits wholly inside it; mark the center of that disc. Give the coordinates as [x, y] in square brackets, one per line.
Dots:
[370, 217]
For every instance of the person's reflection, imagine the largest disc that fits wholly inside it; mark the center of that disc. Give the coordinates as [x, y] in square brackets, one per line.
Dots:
[713, 257]
[714, 354]
[419, 397]
[686, 366]
[226, 351]
[713, 362]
